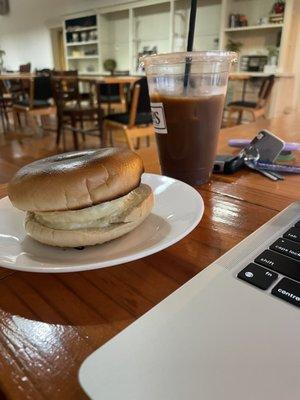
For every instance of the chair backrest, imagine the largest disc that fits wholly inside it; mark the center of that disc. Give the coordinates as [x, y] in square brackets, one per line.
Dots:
[140, 101]
[64, 73]
[265, 90]
[25, 67]
[43, 72]
[109, 89]
[65, 86]
[3, 88]
[143, 105]
[42, 88]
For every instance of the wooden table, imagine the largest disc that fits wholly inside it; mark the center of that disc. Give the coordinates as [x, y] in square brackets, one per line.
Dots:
[109, 79]
[239, 76]
[128, 79]
[50, 323]
[10, 76]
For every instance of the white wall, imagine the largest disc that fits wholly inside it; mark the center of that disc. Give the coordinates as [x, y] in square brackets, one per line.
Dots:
[24, 33]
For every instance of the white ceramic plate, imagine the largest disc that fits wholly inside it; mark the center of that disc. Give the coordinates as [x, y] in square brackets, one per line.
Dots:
[178, 208]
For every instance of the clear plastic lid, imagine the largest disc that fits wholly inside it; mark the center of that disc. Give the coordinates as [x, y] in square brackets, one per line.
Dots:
[192, 57]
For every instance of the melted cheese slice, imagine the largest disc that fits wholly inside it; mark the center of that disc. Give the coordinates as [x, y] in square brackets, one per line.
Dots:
[100, 215]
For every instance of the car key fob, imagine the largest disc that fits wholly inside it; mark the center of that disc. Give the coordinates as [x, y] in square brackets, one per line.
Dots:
[227, 164]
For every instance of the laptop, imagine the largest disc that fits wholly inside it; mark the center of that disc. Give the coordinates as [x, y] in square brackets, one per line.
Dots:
[230, 333]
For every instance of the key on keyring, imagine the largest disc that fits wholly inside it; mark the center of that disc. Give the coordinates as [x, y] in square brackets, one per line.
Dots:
[264, 147]
[268, 174]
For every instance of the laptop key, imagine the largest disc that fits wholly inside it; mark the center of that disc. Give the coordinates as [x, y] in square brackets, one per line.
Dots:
[280, 263]
[293, 234]
[287, 247]
[298, 224]
[288, 290]
[258, 276]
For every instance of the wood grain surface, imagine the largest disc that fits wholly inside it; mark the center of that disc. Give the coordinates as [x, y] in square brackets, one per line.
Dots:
[50, 323]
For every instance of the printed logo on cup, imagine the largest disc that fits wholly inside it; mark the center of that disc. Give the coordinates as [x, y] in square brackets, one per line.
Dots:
[159, 119]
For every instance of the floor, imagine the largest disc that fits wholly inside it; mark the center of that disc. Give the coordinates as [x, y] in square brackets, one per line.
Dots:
[25, 146]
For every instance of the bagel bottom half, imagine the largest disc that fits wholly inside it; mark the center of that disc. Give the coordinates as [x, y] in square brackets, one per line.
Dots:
[90, 236]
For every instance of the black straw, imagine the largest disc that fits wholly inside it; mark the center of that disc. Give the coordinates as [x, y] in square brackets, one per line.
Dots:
[190, 42]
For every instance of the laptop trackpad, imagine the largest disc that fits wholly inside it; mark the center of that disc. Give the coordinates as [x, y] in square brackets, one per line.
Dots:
[220, 340]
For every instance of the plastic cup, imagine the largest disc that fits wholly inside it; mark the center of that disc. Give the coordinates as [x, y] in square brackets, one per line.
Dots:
[187, 92]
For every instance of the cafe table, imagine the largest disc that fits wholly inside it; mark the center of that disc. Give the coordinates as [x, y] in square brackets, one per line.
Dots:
[11, 76]
[84, 77]
[111, 79]
[51, 322]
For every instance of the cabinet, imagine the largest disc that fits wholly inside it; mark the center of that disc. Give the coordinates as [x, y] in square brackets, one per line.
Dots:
[260, 35]
[114, 38]
[82, 43]
[123, 32]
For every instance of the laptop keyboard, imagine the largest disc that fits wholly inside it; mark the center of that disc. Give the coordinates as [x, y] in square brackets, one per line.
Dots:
[282, 257]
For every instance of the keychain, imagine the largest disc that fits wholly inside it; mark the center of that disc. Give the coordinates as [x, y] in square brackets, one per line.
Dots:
[261, 153]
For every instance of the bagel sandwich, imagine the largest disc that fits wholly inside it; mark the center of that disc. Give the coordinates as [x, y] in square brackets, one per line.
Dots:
[82, 198]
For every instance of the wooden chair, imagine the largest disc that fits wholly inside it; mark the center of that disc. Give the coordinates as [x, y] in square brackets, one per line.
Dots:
[5, 104]
[25, 67]
[37, 104]
[255, 109]
[72, 114]
[137, 122]
[72, 83]
[24, 84]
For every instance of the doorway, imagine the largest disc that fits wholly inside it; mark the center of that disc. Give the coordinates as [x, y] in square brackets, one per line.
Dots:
[58, 49]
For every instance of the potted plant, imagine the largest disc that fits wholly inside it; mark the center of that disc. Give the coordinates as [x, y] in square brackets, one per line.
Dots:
[277, 12]
[236, 47]
[273, 53]
[278, 7]
[271, 67]
[110, 65]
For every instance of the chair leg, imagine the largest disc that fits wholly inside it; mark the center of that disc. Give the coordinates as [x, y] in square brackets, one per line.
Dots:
[31, 121]
[58, 136]
[26, 118]
[100, 128]
[19, 119]
[64, 139]
[2, 120]
[229, 118]
[105, 134]
[59, 131]
[44, 122]
[128, 140]
[6, 119]
[82, 127]
[111, 139]
[259, 113]
[138, 143]
[75, 138]
[16, 119]
[240, 115]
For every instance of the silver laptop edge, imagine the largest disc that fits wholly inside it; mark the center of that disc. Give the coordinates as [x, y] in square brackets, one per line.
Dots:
[216, 337]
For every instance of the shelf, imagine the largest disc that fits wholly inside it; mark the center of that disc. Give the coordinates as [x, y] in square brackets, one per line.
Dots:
[84, 28]
[262, 74]
[83, 57]
[253, 27]
[82, 43]
[94, 73]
